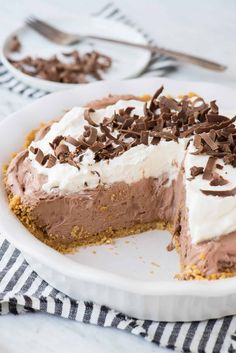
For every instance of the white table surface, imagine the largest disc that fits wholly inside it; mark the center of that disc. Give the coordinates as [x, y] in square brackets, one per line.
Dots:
[204, 28]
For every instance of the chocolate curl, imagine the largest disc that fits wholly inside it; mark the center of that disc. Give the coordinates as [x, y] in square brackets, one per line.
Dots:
[39, 156]
[164, 118]
[61, 150]
[33, 150]
[92, 136]
[72, 141]
[214, 107]
[51, 161]
[107, 133]
[57, 140]
[199, 107]
[87, 117]
[52, 69]
[153, 103]
[220, 193]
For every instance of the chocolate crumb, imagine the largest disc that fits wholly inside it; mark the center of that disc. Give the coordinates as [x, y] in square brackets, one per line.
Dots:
[218, 180]
[195, 171]
[14, 44]
[170, 246]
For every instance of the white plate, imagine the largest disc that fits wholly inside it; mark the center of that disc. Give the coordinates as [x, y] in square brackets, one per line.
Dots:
[135, 275]
[127, 62]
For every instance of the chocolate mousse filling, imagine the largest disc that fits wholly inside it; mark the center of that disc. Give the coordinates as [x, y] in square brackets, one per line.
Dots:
[97, 215]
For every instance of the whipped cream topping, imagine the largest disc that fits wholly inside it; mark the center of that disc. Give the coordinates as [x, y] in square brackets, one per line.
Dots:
[209, 216]
[139, 162]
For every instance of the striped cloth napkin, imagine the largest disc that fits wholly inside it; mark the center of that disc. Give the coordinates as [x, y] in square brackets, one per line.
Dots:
[159, 65]
[22, 290]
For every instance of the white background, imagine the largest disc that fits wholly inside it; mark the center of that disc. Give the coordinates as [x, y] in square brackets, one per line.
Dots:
[203, 28]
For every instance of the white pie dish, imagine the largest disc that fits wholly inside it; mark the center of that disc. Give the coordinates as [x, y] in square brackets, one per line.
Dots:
[134, 276]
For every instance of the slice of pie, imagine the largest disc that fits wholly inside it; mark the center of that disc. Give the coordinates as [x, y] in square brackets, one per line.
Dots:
[123, 165]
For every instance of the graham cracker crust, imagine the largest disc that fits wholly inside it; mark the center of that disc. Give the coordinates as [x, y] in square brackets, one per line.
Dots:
[83, 238]
[80, 235]
[191, 272]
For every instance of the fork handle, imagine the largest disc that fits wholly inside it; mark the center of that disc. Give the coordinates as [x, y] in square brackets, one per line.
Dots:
[190, 59]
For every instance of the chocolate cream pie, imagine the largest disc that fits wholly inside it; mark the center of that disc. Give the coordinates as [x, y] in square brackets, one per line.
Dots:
[123, 165]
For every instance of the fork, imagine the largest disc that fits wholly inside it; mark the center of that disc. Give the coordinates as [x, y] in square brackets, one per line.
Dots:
[63, 38]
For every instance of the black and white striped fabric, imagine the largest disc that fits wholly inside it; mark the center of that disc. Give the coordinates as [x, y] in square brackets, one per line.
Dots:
[159, 65]
[22, 290]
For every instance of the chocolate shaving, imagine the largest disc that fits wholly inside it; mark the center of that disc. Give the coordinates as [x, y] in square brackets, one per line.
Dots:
[206, 137]
[88, 118]
[73, 163]
[107, 133]
[92, 136]
[14, 44]
[155, 140]
[153, 102]
[218, 180]
[33, 150]
[214, 107]
[219, 166]
[61, 149]
[51, 161]
[163, 118]
[73, 68]
[215, 118]
[81, 157]
[72, 141]
[197, 106]
[221, 193]
[207, 174]
[39, 156]
[97, 146]
[46, 160]
[195, 171]
[144, 137]
[128, 110]
[56, 141]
